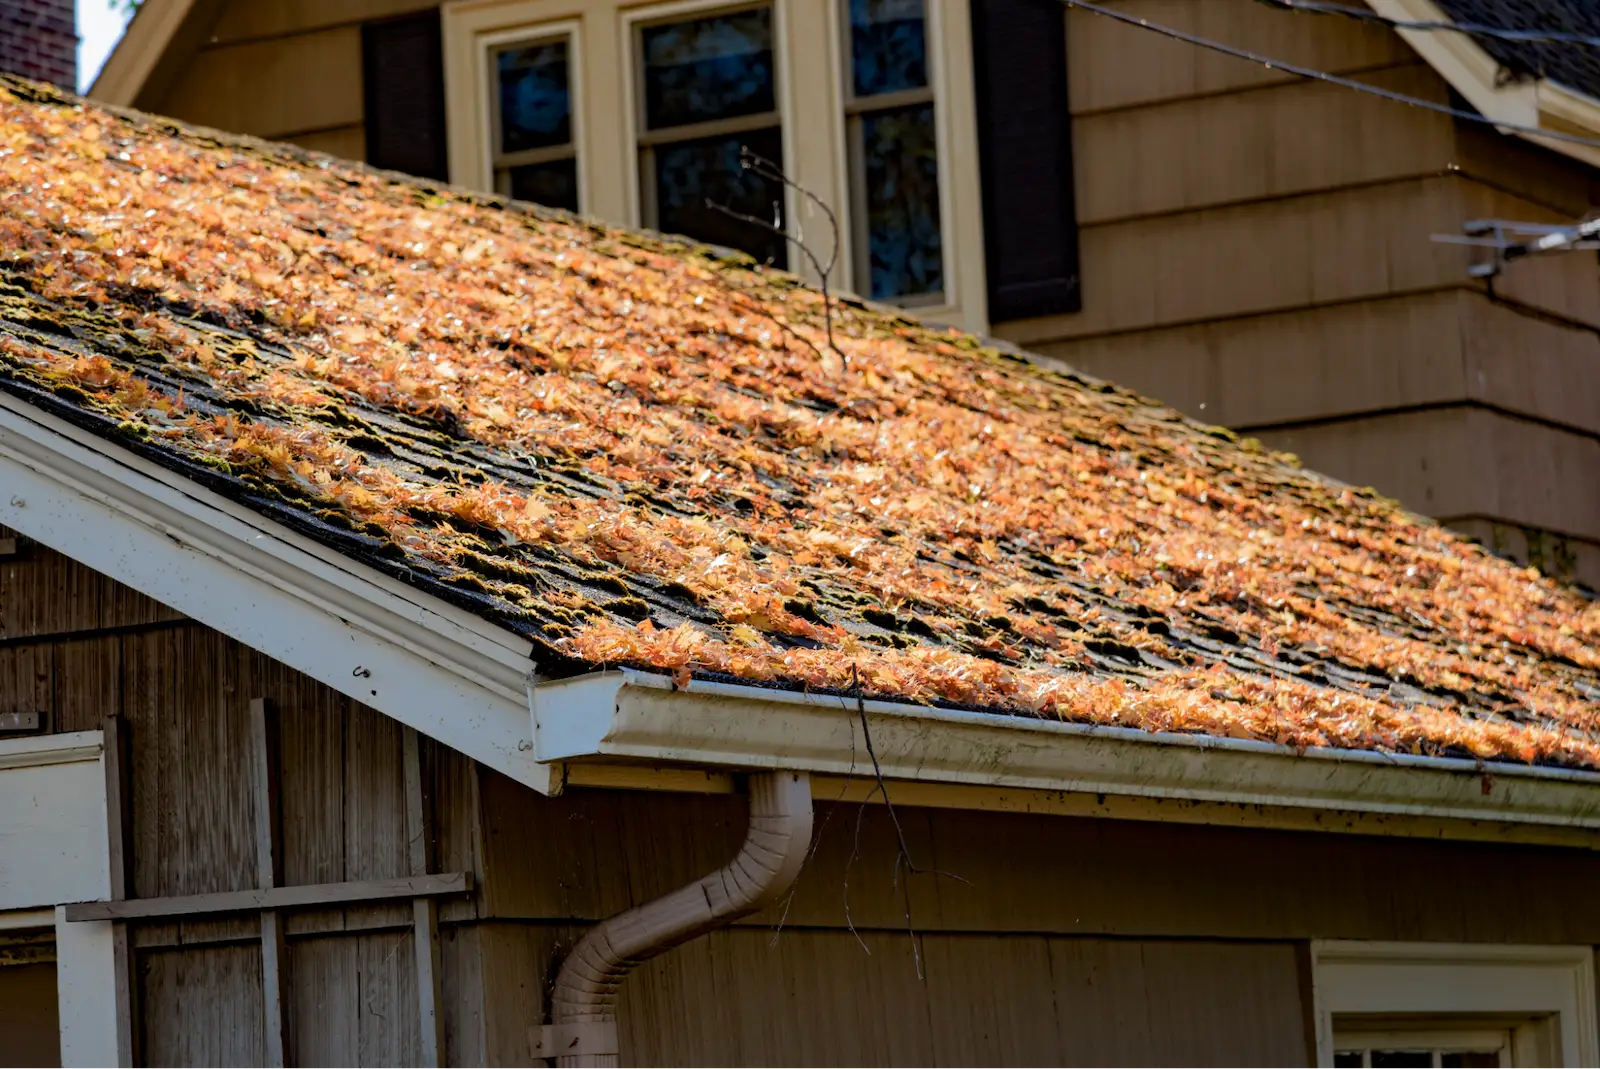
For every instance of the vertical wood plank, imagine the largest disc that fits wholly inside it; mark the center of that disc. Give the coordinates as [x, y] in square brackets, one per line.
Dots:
[88, 682]
[461, 979]
[274, 989]
[119, 820]
[425, 913]
[268, 834]
[202, 1006]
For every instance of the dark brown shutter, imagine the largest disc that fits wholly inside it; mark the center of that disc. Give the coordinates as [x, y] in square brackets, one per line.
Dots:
[402, 64]
[1030, 226]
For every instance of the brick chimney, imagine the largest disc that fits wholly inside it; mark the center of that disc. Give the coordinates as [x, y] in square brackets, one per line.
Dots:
[39, 40]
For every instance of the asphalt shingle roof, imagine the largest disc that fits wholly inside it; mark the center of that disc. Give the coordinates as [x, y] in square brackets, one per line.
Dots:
[634, 450]
[1574, 66]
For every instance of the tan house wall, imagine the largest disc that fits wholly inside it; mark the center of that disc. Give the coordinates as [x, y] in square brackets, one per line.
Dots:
[1256, 250]
[1056, 940]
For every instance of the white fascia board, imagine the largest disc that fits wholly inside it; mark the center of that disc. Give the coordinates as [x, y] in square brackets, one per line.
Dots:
[415, 658]
[643, 717]
[1475, 74]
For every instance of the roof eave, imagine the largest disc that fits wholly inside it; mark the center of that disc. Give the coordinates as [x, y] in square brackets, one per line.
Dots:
[136, 54]
[646, 718]
[1472, 72]
[463, 681]
[420, 660]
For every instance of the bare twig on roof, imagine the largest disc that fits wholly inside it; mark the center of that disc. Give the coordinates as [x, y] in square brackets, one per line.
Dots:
[765, 168]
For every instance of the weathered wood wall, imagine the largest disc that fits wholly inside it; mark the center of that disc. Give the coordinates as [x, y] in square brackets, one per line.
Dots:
[1256, 252]
[77, 647]
[1062, 941]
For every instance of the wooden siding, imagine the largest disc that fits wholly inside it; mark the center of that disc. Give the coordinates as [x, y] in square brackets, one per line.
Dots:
[315, 81]
[1256, 251]
[1464, 461]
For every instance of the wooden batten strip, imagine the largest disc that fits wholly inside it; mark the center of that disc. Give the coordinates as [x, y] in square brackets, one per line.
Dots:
[268, 834]
[119, 828]
[425, 911]
[298, 897]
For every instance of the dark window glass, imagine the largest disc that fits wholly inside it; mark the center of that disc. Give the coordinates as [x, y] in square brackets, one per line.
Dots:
[902, 186]
[535, 107]
[1400, 1059]
[888, 46]
[1469, 1059]
[553, 184]
[1344, 1058]
[711, 68]
[691, 173]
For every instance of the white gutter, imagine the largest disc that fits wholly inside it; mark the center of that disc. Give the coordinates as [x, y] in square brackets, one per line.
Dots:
[412, 656]
[637, 716]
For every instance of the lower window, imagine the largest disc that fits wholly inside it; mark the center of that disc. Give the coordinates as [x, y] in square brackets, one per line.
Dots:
[1439, 1004]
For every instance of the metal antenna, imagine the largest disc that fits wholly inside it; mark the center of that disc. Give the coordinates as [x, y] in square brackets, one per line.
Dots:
[1511, 240]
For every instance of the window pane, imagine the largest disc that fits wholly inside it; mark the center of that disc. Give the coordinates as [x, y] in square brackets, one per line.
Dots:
[904, 249]
[1469, 1059]
[553, 184]
[690, 173]
[535, 108]
[1347, 1059]
[1401, 1059]
[709, 68]
[888, 46]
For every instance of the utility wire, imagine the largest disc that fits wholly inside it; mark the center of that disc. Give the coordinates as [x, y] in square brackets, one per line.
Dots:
[1471, 29]
[1324, 76]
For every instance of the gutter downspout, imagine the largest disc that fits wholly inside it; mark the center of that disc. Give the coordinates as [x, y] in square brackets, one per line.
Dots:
[583, 1003]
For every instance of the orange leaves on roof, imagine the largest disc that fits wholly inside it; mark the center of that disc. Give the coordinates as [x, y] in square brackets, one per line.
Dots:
[948, 523]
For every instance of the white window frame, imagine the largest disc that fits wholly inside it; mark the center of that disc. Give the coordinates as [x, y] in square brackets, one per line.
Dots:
[852, 110]
[1550, 988]
[1501, 1040]
[471, 31]
[809, 46]
[630, 23]
[485, 45]
[55, 847]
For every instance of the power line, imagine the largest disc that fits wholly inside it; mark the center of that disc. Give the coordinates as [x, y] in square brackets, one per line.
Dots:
[1324, 76]
[1471, 29]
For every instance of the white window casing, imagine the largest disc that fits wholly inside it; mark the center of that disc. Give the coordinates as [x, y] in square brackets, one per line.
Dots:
[809, 43]
[54, 849]
[1545, 994]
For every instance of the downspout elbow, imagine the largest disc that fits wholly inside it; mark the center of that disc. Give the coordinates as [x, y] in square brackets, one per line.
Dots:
[583, 1001]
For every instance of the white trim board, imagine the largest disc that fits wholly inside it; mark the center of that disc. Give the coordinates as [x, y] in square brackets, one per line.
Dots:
[54, 848]
[1551, 985]
[52, 820]
[413, 657]
[643, 717]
